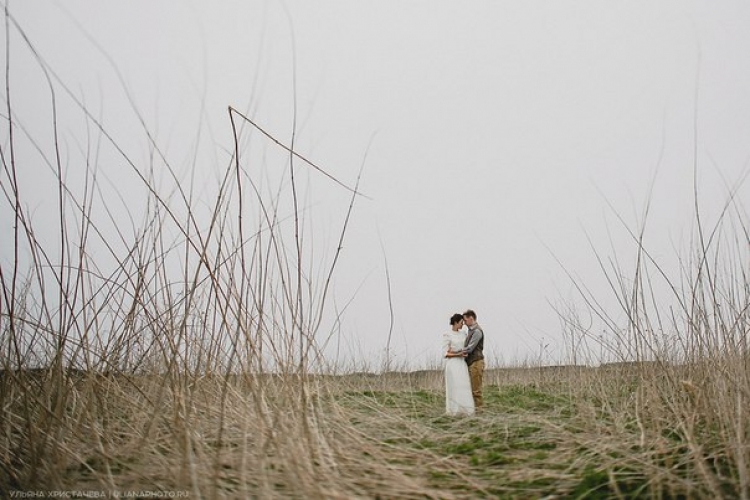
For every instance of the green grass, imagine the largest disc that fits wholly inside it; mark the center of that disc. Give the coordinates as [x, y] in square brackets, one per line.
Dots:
[515, 449]
[529, 442]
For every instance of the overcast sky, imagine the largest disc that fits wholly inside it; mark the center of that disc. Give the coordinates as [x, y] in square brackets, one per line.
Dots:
[505, 137]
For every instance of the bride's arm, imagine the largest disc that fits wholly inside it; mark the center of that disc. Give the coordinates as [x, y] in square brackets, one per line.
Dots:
[447, 348]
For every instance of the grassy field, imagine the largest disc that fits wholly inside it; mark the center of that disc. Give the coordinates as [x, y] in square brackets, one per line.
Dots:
[127, 319]
[545, 433]
[514, 449]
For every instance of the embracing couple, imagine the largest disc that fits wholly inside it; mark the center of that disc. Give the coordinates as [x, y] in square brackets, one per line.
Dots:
[464, 365]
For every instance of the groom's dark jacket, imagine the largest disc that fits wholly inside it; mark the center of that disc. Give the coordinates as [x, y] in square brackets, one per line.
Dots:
[474, 344]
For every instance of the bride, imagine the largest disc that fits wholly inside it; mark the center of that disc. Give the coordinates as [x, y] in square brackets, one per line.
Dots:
[458, 399]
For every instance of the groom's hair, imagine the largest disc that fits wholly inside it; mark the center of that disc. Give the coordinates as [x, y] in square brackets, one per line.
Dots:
[470, 313]
[456, 318]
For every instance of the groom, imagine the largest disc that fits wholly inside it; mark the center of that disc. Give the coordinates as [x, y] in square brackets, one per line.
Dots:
[474, 356]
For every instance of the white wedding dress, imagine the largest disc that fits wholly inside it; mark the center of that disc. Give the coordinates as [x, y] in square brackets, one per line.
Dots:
[458, 399]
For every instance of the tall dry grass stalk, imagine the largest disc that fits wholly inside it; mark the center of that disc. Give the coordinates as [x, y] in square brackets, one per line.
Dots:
[177, 353]
[674, 382]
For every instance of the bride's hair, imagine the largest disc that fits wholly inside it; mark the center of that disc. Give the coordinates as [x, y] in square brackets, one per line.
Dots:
[456, 318]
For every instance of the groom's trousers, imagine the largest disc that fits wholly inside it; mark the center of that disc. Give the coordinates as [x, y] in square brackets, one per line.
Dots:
[476, 372]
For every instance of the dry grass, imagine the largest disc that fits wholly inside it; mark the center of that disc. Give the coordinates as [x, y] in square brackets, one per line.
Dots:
[583, 435]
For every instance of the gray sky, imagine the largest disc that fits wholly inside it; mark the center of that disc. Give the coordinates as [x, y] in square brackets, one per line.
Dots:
[504, 135]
